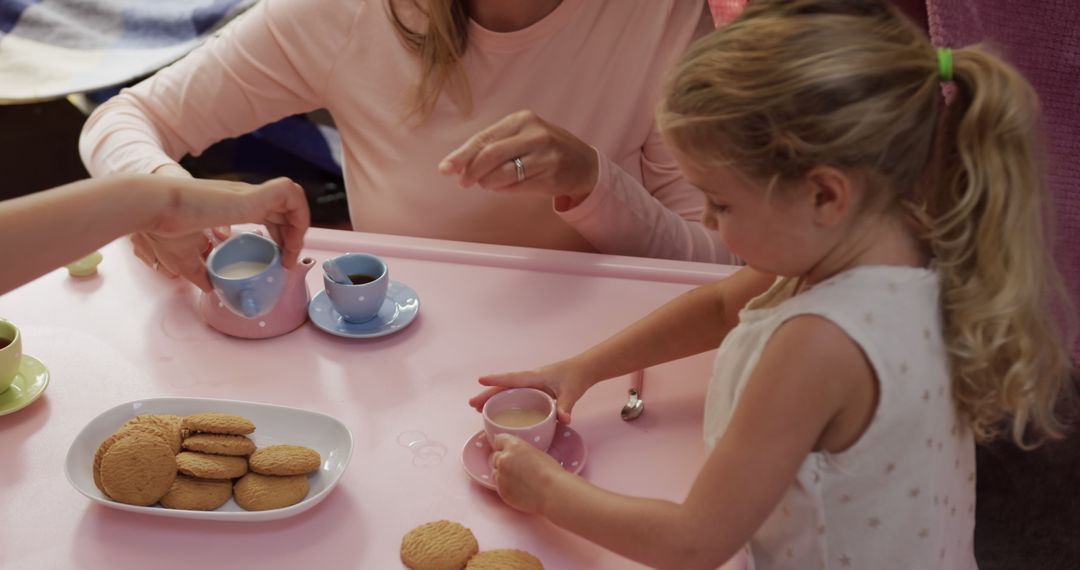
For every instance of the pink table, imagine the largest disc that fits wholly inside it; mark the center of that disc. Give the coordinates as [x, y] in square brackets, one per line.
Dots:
[129, 334]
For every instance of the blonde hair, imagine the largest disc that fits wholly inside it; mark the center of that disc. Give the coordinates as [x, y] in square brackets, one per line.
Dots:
[853, 84]
[439, 47]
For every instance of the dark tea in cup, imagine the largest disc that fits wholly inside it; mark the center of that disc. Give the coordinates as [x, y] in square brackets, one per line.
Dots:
[361, 278]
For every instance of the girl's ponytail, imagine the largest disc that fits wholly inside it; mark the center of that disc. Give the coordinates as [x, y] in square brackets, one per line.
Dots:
[853, 84]
[988, 237]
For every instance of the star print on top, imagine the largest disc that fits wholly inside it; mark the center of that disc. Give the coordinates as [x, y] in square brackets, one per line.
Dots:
[903, 496]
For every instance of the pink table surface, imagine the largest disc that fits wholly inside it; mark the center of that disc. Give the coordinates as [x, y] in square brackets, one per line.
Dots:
[129, 334]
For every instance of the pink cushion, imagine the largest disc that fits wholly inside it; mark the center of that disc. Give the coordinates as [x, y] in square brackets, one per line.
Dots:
[724, 11]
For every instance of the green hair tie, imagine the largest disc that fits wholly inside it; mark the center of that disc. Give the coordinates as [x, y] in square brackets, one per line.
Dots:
[944, 58]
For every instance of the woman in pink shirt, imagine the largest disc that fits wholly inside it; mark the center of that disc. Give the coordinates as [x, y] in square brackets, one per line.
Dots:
[521, 123]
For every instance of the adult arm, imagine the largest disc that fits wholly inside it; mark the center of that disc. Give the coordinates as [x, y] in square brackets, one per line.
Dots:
[63, 224]
[273, 61]
[658, 217]
[269, 63]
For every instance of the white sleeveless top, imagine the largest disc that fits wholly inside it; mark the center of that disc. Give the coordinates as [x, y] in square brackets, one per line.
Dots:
[903, 496]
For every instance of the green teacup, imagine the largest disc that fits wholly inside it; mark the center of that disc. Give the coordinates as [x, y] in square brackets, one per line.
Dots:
[10, 353]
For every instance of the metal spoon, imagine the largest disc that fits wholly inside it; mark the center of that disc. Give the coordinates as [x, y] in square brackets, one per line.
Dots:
[635, 406]
[334, 272]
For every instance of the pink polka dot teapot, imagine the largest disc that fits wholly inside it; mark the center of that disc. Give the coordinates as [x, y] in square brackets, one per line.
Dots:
[254, 296]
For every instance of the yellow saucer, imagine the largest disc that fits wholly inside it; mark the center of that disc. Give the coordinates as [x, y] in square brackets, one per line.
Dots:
[30, 382]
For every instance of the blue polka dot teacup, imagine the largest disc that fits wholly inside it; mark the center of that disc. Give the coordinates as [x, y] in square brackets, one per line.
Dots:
[359, 299]
[246, 273]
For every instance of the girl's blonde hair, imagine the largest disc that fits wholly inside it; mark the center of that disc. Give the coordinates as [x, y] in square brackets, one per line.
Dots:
[853, 84]
[440, 46]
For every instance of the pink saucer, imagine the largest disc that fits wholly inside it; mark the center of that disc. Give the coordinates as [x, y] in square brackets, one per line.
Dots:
[567, 448]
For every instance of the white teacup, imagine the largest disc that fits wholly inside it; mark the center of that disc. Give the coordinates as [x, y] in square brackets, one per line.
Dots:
[10, 353]
[527, 413]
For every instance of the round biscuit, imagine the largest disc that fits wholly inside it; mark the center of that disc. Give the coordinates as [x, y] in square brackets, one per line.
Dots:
[131, 426]
[167, 423]
[192, 494]
[255, 492]
[438, 545]
[215, 422]
[219, 444]
[138, 469]
[504, 559]
[285, 460]
[115, 437]
[206, 466]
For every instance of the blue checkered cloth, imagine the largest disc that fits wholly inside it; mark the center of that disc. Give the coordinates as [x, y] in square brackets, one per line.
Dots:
[53, 48]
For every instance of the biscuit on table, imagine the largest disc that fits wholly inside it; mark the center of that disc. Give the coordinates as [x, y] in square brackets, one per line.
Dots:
[132, 426]
[168, 424]
[438, 545]
[138, 469]
[285, 460]
[255, 492]
[206, 466]
[504, 559]
[192, 494]
[219, 444]
[215, 422]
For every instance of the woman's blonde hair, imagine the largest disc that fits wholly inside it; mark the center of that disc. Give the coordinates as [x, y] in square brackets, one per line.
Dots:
[440, 47]
[853, 84]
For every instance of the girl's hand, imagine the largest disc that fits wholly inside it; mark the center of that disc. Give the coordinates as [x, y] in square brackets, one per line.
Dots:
[561, 380]
[522, 473]
[554, 161]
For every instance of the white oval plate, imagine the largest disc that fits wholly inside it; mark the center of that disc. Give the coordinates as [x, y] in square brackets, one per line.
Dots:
[273, 425]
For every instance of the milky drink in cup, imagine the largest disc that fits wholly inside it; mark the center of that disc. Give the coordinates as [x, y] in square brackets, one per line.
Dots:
[246, 273]
[527, 413]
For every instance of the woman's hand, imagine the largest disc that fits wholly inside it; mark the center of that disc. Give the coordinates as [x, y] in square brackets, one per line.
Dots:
[180, 255]
[563, 380]
[552, 160]
[176, 255]
[522, 473]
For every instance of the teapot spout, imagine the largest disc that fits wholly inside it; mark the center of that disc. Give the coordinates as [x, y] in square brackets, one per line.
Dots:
[303, 265]
[296, 280]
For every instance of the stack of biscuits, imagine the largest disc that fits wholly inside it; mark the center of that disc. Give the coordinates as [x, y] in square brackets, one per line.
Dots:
[192, 462]
[447, 545]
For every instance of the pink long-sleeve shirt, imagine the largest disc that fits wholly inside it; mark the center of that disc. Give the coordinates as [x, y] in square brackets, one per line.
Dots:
[592, 67]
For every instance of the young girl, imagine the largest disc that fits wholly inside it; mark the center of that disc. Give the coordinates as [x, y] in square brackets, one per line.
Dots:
[894, 310]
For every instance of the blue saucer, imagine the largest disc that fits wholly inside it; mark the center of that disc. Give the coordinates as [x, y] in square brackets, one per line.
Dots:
[398, 310]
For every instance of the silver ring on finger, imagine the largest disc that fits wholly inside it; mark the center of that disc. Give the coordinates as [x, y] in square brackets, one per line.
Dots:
[520, 167]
